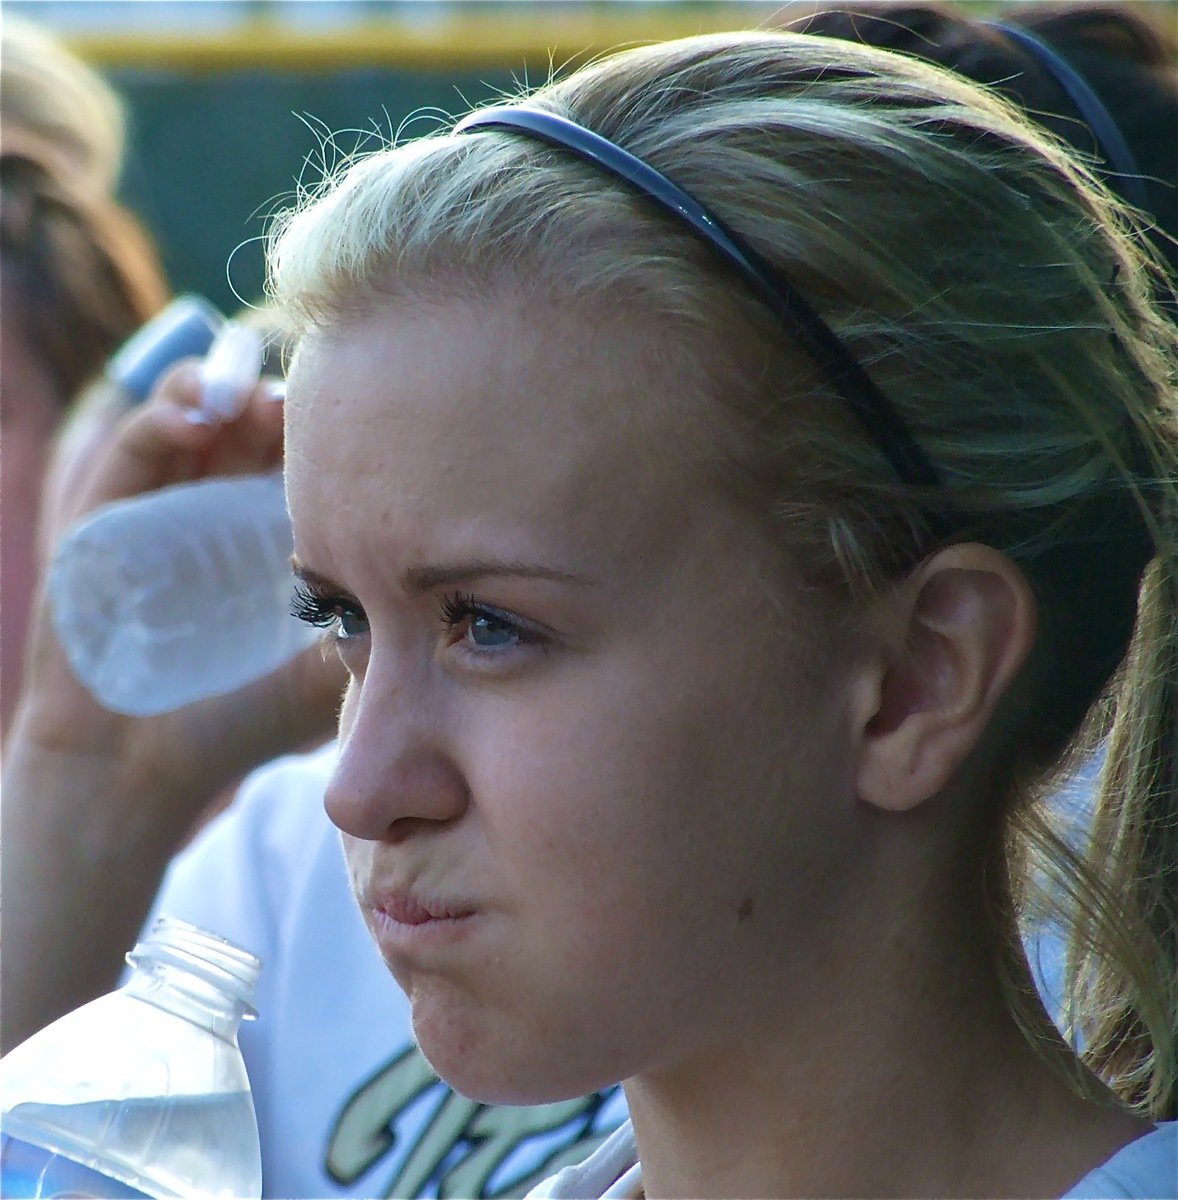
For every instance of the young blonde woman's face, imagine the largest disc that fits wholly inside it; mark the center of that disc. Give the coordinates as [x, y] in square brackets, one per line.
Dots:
[595, 776]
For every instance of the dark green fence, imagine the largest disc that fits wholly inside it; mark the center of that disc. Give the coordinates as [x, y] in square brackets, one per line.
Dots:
[223, 126]
[212, 155]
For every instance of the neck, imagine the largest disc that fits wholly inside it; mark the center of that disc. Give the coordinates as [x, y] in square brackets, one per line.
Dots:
[907, 1078]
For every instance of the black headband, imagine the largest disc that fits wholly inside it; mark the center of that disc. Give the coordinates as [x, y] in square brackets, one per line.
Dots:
[874, 411]
[1109, 139]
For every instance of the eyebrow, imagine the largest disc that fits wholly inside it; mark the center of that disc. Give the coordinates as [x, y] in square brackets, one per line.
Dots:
[428, 578]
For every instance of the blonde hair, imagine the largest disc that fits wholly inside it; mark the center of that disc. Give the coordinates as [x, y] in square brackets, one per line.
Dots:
[57, 110]
[996, 294]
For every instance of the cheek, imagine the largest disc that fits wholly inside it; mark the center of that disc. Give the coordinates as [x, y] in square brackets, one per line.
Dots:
[358, 855]
[655, 803]
[629, 841]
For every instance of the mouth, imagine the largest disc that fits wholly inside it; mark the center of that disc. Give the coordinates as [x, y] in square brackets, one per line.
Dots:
[404, 908]
[407, 927]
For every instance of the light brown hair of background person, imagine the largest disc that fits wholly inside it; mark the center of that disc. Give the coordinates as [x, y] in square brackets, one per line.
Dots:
[80, 276]
[57, 109]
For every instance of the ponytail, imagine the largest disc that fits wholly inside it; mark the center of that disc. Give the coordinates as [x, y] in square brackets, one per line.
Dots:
[1123, 965]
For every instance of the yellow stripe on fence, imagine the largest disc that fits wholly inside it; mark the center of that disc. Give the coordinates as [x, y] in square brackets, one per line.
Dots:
[469, 41]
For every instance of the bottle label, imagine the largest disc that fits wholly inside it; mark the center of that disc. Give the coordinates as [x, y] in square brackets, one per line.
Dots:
[28, 1171]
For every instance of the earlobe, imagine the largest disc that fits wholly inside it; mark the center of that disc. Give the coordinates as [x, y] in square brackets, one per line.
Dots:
[957, 634]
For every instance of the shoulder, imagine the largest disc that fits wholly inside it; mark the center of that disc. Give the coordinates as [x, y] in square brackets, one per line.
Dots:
[238, 875]
[274, 810]
[284, 794]
[1146, 1169]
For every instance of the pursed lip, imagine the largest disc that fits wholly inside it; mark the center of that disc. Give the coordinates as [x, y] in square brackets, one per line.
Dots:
[414, 922]
[410, 908]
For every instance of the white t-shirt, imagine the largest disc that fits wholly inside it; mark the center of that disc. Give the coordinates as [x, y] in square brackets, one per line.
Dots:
[1146, 1169]
[346, 1104]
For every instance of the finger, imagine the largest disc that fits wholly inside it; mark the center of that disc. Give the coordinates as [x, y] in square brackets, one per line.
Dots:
[125, 452]
[155, 445]
[252, 442]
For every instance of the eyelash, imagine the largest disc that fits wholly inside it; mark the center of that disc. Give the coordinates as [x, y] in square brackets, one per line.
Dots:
[458, 608]
[323, 612]
[455, 608]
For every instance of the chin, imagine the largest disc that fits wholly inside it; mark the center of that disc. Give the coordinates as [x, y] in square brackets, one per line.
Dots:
[485, 1059]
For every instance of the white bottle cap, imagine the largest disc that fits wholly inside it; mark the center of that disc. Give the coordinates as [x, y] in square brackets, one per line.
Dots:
[233, 366]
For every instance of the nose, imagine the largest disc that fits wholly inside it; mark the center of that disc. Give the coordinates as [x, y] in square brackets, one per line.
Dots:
[392, 774]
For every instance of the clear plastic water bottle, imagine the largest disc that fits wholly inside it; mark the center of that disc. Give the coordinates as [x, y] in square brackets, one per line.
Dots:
[142, 1092]
[178, 595]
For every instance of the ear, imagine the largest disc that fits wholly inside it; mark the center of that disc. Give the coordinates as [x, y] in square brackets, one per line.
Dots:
[954, 636]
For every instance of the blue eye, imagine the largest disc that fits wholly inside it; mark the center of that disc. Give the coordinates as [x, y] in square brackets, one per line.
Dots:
[483, 628]
[489, 631]
[352, 622]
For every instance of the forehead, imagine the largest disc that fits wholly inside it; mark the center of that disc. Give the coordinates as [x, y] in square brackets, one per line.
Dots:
[487, 379]
[470, 410]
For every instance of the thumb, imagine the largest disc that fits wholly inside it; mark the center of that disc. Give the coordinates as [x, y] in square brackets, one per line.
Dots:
[163, 442]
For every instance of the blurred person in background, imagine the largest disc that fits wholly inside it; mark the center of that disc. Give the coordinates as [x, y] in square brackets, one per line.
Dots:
[50, 97]
[346, 1109]
[79, 276]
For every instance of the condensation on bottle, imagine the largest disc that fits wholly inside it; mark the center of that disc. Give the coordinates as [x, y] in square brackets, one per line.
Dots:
[142, 1092]
[178, 595]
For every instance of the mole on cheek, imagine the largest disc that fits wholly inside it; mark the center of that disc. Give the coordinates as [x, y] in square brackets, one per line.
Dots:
[746, 909]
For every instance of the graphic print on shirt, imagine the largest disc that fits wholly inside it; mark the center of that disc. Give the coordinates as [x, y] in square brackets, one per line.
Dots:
[415, 1137]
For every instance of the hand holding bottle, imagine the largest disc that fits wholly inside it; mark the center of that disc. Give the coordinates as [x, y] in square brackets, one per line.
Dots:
[174, 438]
[92, 796]
[183, 593]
